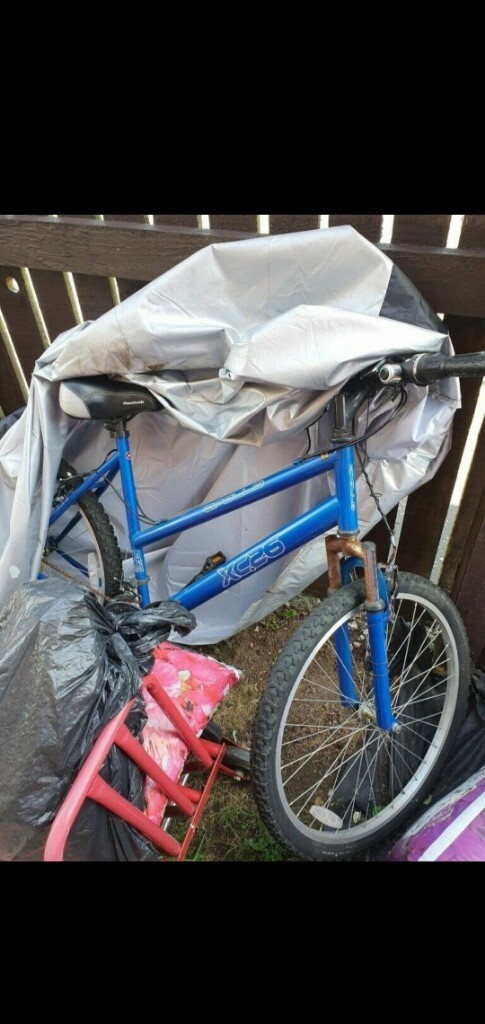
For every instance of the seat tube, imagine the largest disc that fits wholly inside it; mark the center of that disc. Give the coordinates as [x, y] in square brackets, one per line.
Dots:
[129, 494]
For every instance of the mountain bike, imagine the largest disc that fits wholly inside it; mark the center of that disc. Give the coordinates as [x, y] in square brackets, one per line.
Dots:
[364, 703]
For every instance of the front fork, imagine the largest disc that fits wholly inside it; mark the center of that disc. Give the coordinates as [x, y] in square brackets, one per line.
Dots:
[377, 609]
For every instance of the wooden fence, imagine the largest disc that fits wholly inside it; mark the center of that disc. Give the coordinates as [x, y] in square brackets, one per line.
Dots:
[58, 271]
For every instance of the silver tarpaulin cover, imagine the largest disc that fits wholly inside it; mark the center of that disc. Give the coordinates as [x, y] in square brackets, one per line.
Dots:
[243, 344]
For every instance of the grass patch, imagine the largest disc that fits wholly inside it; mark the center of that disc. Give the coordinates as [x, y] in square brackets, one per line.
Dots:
[230, 828]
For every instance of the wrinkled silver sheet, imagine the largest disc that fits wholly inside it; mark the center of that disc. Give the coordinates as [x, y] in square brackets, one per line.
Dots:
[244, 344]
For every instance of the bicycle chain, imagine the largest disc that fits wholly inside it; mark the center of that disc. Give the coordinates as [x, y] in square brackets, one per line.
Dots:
[128, 588]
[72, 579]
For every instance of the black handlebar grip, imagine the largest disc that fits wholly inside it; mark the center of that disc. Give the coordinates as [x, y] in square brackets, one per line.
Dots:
[426, 367]
[471, 365]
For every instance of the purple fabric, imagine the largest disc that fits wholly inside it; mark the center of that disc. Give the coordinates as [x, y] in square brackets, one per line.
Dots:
[456, 825]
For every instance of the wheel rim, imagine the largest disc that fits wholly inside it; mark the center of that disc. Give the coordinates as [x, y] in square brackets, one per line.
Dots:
[339, 777]
[75, 552]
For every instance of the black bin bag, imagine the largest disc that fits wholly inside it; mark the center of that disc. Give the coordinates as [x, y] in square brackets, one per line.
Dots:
[66, 668]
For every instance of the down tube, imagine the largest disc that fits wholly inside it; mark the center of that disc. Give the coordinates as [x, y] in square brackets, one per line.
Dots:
[308, 526]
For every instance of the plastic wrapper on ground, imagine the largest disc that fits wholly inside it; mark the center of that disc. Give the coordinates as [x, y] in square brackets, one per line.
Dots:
[196, 684]
[451, 830]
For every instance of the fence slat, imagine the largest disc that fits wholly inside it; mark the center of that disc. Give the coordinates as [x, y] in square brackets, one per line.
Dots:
[367, 224]
[421, 228]
[280, 223]
[54, 301]
[234, 222]
[20, 320]
[427, 507]
[472, 232]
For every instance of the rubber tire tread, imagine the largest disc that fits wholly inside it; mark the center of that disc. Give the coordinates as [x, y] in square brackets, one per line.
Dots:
[100, 524]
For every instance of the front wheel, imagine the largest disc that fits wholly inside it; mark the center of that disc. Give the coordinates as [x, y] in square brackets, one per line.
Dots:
[329, 783]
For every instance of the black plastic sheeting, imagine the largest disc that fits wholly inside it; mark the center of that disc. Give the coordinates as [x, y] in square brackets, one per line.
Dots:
[67, 666]
[403, 302]
[468, 754]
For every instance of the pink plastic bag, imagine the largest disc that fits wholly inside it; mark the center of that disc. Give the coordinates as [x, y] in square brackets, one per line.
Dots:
[452, 830]
[197, 684]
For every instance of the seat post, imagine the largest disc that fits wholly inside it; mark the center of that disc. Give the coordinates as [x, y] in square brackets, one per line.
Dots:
[118, 431]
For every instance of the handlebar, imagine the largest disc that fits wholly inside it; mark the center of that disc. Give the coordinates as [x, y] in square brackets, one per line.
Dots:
[425, 367]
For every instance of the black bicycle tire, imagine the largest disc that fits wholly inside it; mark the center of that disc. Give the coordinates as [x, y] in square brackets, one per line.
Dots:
[275, 698]
[102, 530]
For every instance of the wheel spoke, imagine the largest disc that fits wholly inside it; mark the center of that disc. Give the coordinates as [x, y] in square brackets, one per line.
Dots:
[412, 698]
[381, 740]
[338, 658]
[341, 779]
[313, 788]
[422, 718]
[314, 700]
[422, 650]
[397, 744]
[437, 664]
[406, 641]
[306, 757]
[347, 760]
[325, 673]
[320, 686]
[307, 736]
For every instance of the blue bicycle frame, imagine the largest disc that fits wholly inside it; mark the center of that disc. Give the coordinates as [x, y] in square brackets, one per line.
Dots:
[340, 511]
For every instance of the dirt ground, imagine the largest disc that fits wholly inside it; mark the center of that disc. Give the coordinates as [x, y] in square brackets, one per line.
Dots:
[230, 827]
